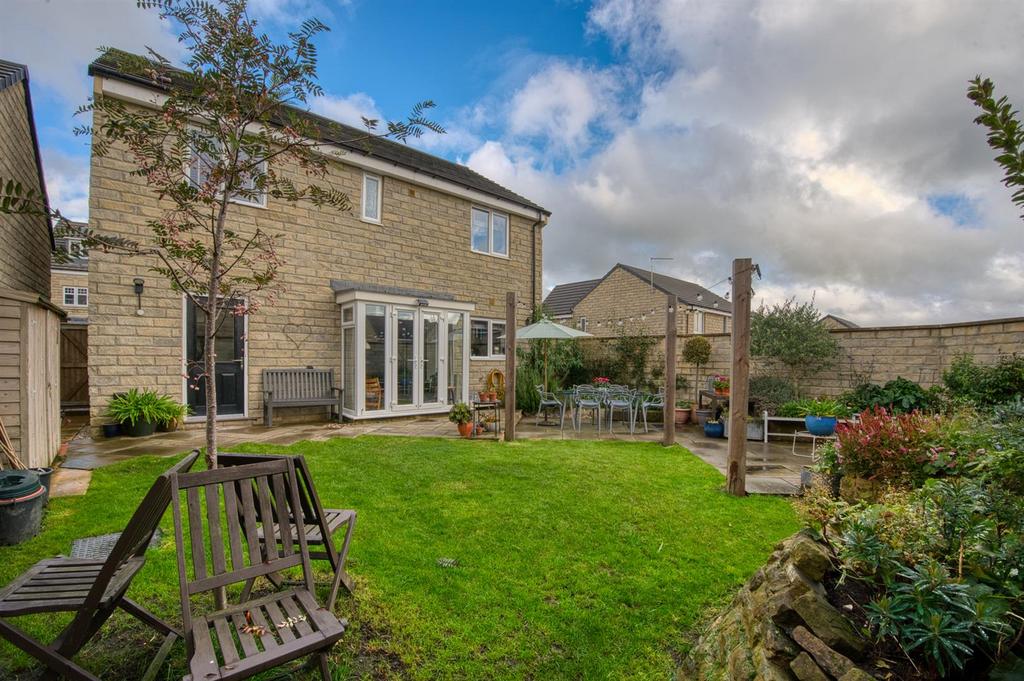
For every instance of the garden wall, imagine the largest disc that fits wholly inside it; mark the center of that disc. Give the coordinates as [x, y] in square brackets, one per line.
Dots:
[881, 353]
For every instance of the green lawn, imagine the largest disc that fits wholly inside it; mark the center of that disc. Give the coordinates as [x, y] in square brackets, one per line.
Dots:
[575, 559]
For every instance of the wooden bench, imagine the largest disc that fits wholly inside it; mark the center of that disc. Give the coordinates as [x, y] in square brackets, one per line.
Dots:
[299, 388]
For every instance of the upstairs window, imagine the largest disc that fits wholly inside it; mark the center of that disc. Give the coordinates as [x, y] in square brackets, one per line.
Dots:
[72, 246]
[75, 296]
[201, 163]
[489, 232]
[371, 197]
[581, 324]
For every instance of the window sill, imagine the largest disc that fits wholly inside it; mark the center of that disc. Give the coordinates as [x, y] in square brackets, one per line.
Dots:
[241, 202]
[489, 358]
[492, 255]
[370, 221]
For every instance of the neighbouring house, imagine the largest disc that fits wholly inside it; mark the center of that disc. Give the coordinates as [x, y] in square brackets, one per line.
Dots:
[834, 322]
[29, 322]
[403, 297]
[69, 290]
[634, 298]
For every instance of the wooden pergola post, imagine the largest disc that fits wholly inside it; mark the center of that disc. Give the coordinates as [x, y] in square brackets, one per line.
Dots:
[739, 381]
[510, 366]
[669, 411]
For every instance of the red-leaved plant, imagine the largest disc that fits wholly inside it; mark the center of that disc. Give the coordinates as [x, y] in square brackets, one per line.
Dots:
[896, 448]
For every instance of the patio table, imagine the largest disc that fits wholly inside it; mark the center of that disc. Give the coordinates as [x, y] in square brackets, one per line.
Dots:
[479, 409]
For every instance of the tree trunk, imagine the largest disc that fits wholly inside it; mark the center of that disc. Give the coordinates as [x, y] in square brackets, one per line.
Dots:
[210, 351]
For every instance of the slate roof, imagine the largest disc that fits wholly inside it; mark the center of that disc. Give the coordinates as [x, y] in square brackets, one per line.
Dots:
[342, 135]
[12, 73]
[685, 291]
[563, 298]
[845, 323]
[341, 285]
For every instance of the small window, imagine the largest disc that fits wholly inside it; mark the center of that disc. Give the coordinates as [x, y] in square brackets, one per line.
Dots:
[486, 339]
[69, 295]
[82, 297]
[202, 162]
[347, 315]
[76, 296]
[72, 247]
[582, 324]
[371, 197]
[489, 232]
[698, 322]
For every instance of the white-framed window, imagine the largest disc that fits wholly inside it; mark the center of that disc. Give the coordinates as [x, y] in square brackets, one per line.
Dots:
[76, 296]
[201, 164]
[489, 232]
[698, 321]
[372, 185]
[582, 323]
[72, 246]
[486, 339]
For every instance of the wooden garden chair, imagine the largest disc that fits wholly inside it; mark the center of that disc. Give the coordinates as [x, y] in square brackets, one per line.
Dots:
[223, 549]
[321, 524]
[92, 589]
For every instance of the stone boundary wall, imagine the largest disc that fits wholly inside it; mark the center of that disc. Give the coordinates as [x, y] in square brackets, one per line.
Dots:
[881, 353]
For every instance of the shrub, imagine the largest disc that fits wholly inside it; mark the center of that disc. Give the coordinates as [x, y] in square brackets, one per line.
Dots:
[146, 406]
[770, 392]
[527, 397]
[460, 413]
[696, 351]
[899, 396]
[631, 352]
[792, 337]
[985, 386]
[821, 406]
[891, 447]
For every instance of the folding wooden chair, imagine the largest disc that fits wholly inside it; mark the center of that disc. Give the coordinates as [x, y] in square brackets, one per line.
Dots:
[92, 589]
[223, 549]
[321, 524]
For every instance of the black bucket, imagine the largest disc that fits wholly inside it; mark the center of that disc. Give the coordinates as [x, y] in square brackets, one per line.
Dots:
[111, 429]
[44, 479]
[21, 506]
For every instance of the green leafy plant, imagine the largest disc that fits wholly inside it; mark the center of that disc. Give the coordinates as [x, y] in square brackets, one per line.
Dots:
[985, 385]
[821, 406]
[146, 406]
[899, 396]
[174, 414]
[631, 354]
[460, 413]
[791, 337]
[768, 393]
[527, 380]
[696, 351]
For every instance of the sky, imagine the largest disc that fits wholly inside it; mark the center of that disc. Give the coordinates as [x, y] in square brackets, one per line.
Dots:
[832, 142]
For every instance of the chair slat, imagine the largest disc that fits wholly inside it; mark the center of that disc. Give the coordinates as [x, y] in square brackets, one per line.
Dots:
[216, 536]
[248, 642]
[195, 521]
[283, 521]
[249, 522]
[278, 617]
[231, 511]
[226, 640]
[301, 619]
[267, 637]
[266, 517]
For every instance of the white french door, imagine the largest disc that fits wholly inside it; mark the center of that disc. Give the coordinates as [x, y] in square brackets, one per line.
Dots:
[419, 359]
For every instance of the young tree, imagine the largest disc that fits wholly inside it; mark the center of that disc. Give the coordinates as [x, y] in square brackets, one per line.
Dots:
[229, 127]
[793, 337]
[696, 351]
[1005, 134]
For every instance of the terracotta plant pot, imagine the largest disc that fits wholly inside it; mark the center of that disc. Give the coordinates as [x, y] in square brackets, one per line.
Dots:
[465, 429]
[682, 416]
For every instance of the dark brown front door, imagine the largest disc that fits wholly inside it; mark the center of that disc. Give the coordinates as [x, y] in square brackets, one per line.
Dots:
[229, 346]
[74, 367]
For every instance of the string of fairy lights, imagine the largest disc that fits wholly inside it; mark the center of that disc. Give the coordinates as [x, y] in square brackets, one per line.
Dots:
[698, 306]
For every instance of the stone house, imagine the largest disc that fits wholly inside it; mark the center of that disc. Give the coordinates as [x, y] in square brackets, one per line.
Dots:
[29, 322]
[403, 296]
[632, 297]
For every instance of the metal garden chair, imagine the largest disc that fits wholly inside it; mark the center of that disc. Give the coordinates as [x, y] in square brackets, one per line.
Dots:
[321, 523]
[224, 549]
[548, 400]
[656, 402]
[621, 399]
[587, 398]
[92, 589]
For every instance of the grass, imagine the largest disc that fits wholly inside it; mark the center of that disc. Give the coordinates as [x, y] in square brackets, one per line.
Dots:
[574, 559]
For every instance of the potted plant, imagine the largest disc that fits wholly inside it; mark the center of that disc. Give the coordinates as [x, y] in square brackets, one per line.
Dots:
[682, 412]
[714, 428]
[138, 411]
[822, 415]
[601, 381]
[462, 417]
[720, 384]
[174, 416]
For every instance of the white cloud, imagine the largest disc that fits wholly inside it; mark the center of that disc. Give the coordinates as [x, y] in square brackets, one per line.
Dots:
[348, 109]
[67, 183]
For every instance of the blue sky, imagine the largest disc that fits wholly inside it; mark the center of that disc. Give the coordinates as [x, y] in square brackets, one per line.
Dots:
[831, 142]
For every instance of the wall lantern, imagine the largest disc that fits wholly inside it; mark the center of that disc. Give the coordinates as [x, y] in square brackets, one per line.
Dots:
[422, 302]
[139, 287]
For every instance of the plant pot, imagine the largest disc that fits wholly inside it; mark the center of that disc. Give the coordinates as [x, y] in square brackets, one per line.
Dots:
[755, 430]
[44, 479]
[822, 426]
[169, 426]
[702, 415]
[21, 506]
[465, 429]
[682, 416]
[140, 429]
[111, 429]
[722, 393]
[714, 429]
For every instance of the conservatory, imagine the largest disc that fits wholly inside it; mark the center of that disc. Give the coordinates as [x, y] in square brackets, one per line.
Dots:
[403, 352]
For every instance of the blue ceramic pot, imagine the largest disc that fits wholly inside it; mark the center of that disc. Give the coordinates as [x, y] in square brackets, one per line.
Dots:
[822, 426]
[714, 429]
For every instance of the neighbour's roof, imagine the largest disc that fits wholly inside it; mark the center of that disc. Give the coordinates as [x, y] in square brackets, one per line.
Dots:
[351, 138]
[75, 264]
[685, 291]
[12, 73]
[563, 298]
[845, 323]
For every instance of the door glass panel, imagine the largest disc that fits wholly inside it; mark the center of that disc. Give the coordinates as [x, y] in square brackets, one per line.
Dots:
[456, 356]
[348, 369]
[229, 371]
[376, 357]
[431, 347]
[406, 357]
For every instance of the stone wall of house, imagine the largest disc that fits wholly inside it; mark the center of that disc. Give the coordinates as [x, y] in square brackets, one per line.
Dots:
[25, 255]
[623, 296]
[422, 242]
[781, 626]
[879, 354]
[62, 278]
